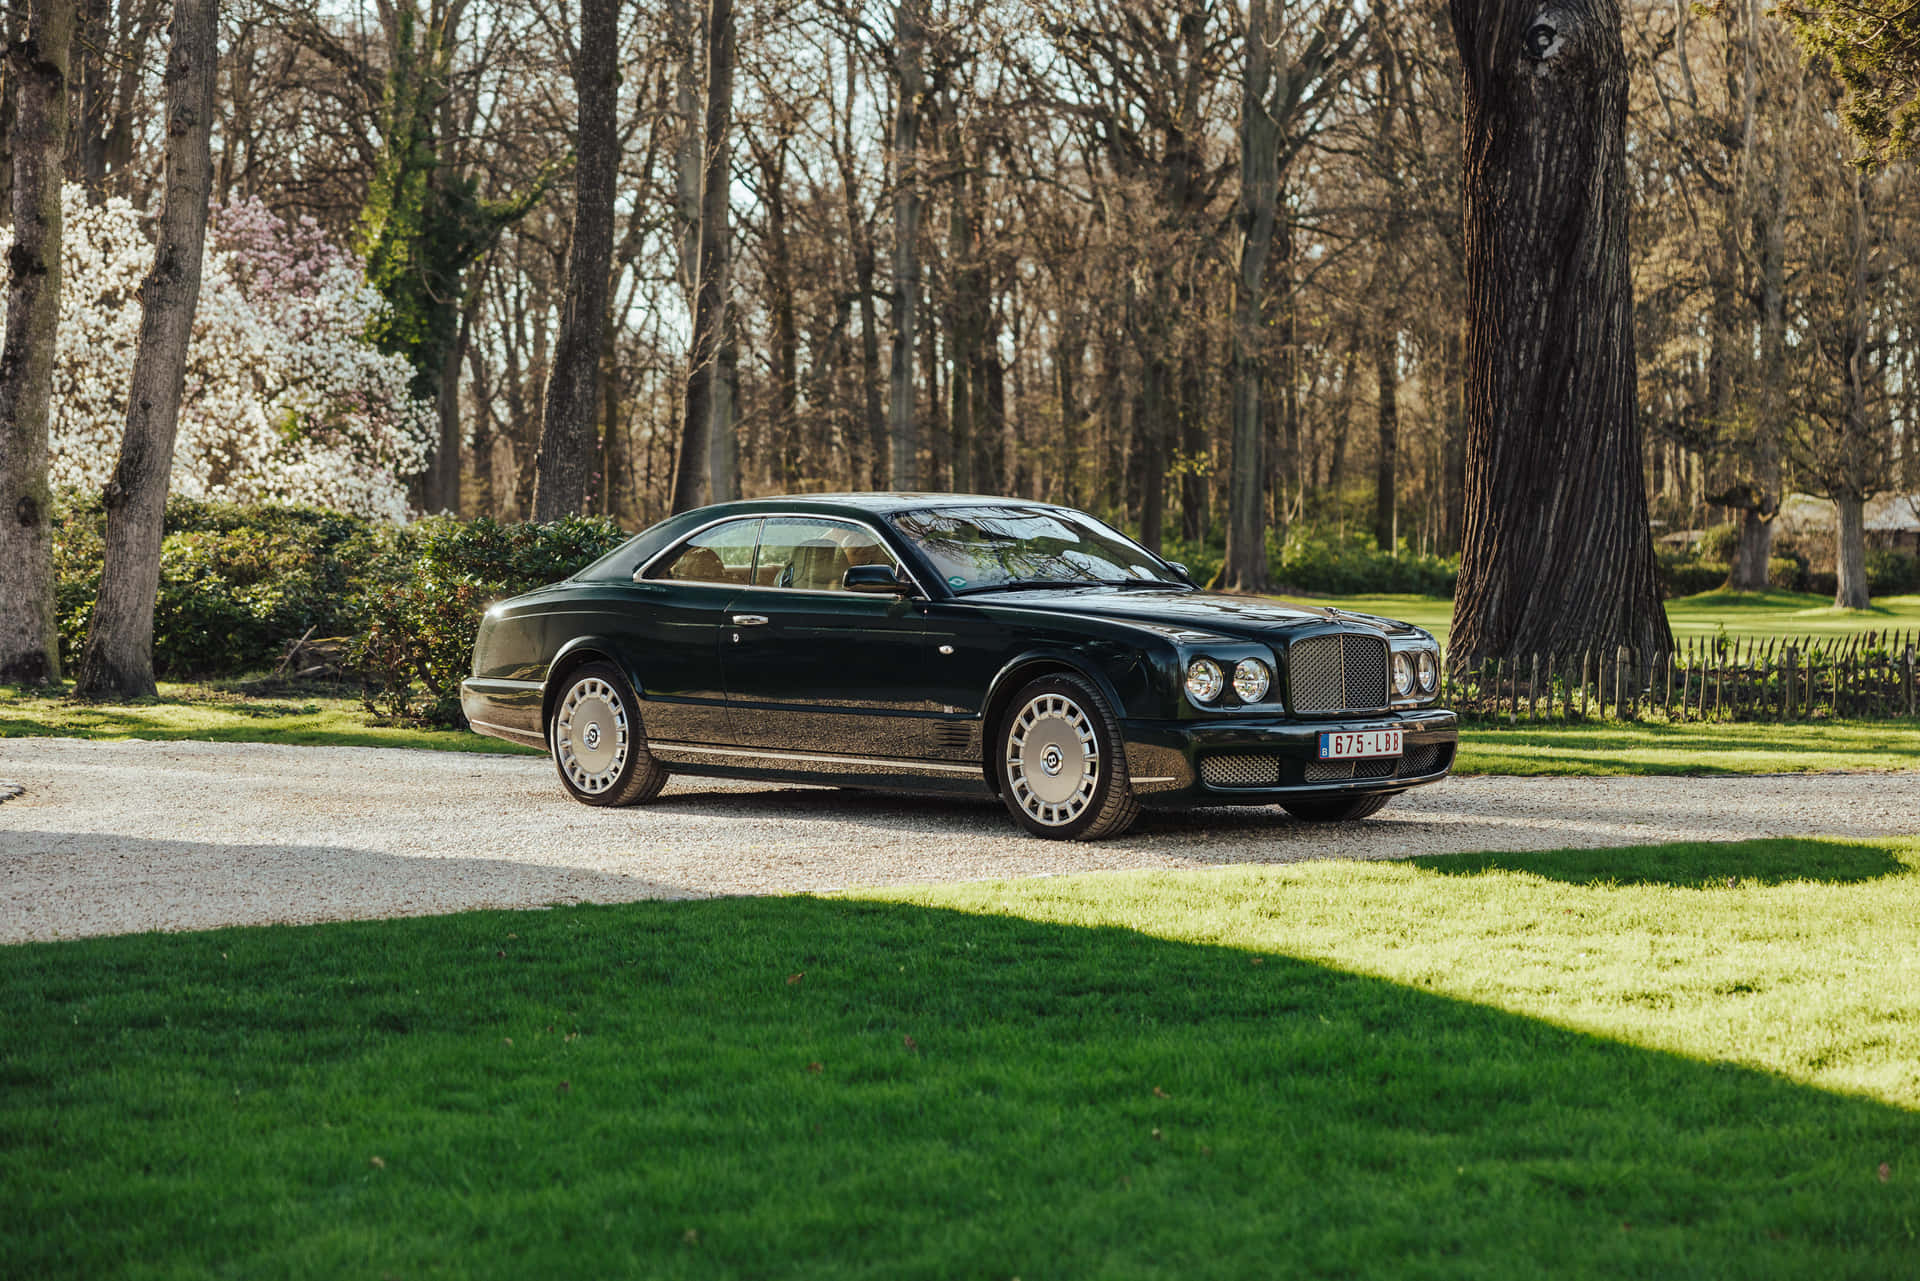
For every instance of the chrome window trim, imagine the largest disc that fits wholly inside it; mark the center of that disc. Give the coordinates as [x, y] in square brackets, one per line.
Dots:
[899, 565]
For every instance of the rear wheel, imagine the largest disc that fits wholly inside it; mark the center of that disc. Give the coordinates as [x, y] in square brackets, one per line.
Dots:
[1344, 810]
[597, 741]
[1061, 768]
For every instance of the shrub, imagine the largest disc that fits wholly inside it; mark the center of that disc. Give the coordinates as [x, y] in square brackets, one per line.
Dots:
[425, 594]
[1718, 544]
[1891, 573]
[237, 584]
[1316, 563]
[1690, 577]
[1787, 574]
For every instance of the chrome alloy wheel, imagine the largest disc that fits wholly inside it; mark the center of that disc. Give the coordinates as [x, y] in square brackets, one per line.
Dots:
[590, 735]
[1053, 760]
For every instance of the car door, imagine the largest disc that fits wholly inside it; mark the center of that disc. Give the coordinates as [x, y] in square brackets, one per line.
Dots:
[812, 667]
[673, 627]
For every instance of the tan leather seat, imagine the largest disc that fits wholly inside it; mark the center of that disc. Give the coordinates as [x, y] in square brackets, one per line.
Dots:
[818, 565]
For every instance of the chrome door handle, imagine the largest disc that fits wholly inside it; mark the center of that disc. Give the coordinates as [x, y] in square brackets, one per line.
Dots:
[749, 620]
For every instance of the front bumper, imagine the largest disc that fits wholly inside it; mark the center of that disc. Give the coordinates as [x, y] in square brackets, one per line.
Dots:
[1261, 762]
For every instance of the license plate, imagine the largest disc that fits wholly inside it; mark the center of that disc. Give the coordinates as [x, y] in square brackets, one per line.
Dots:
[1353, 745]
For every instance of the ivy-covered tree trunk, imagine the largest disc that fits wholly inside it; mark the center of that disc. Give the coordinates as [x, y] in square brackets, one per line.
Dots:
[1558, 556]
[568, 426]
[37, 76]
[425, 221]
[118, 659]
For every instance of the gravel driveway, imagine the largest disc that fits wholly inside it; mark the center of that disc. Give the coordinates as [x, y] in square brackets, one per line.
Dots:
[117, 837]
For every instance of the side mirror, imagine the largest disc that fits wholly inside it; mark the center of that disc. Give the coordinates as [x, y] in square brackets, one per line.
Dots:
[875, 580]
[1180, 569]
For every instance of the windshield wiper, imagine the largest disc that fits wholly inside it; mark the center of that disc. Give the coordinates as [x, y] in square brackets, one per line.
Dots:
[1031, 584]
[1156, 583]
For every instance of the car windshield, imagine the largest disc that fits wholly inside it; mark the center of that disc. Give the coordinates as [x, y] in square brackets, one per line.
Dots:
[987, 548]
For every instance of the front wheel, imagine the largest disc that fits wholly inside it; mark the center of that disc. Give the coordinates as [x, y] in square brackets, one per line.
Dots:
[597, 742]
[1061, 768]
[1344, 810]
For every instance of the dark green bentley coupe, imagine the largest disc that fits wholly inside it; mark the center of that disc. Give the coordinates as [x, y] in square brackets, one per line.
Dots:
[938, 642]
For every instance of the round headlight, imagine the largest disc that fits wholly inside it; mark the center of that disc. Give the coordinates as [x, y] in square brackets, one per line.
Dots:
[1403, 674]
[1205, 679]
[1429, 673]
[1251, 680]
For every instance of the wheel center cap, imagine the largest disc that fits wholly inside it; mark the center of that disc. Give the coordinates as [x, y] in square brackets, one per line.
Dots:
[1050, 760]
[592, 737]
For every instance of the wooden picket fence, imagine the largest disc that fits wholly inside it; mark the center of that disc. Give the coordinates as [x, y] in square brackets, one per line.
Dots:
[1871, 676]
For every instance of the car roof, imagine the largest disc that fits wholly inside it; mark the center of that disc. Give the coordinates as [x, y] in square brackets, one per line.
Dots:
[872, 504]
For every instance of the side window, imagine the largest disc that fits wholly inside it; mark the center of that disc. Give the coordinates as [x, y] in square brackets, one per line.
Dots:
[723, 554]
[814, 555]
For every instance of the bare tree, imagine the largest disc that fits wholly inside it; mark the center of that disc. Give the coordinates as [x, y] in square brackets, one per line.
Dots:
[1271, 135]
[909, 47]
[1558, 553]
[118, 658]
[37, 80]
[692, 482]
[568, 427]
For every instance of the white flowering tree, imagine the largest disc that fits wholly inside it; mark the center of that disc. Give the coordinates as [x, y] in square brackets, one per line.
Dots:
[285, 400]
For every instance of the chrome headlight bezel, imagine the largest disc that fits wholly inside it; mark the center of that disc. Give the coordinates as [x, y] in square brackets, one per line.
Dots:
[1205, 680]
[1404, 680]
[1427, 672]
[1252, 680]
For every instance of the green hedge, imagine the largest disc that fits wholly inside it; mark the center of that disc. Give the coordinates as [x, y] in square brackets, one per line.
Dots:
[1316, 561]
[237, 584]
[421, 604]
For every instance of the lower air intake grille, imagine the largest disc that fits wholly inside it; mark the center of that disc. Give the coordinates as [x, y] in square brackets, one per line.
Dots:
[1240, 771]
[1323, 771]
[1338, 673]
[1421, 760]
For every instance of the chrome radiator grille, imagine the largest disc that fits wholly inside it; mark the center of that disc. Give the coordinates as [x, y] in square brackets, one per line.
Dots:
[1338, 673]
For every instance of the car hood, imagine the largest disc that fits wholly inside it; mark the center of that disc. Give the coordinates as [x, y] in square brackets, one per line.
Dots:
[1212, 612]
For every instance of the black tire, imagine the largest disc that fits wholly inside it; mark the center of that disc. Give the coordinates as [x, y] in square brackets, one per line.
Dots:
[596, 704]
[1054, 726]
[1346, 809]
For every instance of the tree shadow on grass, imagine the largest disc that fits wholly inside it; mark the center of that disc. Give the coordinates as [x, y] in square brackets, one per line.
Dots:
[834, 1088]
[1696, 865]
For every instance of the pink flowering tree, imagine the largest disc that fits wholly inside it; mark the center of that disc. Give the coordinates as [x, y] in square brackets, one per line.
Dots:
[285, 399]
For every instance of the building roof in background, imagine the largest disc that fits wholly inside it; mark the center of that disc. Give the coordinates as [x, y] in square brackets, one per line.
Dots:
[1889, 513]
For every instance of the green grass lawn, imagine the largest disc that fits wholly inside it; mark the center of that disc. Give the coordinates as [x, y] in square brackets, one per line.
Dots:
[1697, 1061]
[225, 714]
[1742, 615]
[1691, 748]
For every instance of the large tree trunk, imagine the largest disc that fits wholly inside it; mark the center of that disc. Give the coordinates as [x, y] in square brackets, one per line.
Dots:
[1850, 553]
[692, 482]
[568, 425]
[1246, 565]
[118, 659]
[785, 351]
[1386, 460]
[1558, 554]
[37, 79]
[909, 38]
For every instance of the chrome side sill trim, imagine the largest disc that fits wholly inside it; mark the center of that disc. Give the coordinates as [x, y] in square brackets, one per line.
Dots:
[815, 758]
[508, 732]
[1158, 778]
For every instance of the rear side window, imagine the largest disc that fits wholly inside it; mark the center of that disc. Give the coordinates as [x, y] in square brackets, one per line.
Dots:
[723, 554]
